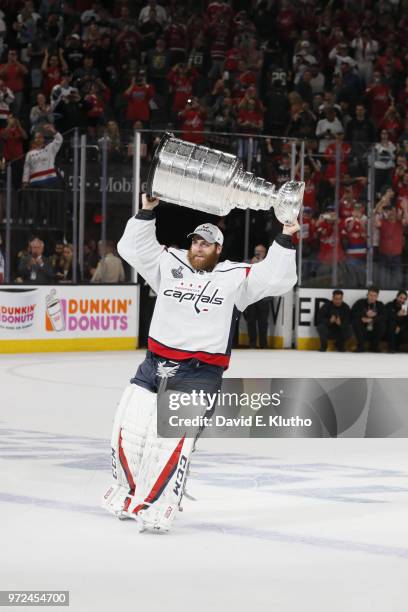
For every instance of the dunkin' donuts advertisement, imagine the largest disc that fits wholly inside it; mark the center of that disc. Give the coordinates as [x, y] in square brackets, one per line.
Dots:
[107, 316]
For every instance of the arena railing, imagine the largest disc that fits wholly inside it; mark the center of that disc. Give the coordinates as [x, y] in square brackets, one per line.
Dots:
[101, 179]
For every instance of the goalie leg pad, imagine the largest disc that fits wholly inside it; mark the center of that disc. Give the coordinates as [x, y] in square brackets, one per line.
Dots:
[135, 412]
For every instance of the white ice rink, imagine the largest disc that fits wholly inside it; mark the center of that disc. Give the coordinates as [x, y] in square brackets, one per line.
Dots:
[293, 525]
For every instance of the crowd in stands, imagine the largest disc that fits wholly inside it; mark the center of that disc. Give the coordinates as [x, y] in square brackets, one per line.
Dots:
[101, 263]
[331, 74]
[369, 320]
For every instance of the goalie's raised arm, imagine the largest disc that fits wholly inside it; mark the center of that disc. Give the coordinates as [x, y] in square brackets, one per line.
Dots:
[273, 276]
[139, 246]
[149, 203]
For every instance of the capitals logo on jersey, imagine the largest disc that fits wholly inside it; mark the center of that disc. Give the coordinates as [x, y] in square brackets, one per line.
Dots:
[196, 295]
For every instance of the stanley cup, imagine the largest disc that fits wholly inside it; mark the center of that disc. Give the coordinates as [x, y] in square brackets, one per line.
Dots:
[215, 182]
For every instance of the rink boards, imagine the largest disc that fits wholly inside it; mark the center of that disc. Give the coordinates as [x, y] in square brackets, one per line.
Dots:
[105, 317]
[68, 318]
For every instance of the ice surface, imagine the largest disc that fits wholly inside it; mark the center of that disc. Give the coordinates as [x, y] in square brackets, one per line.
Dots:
[285, 525]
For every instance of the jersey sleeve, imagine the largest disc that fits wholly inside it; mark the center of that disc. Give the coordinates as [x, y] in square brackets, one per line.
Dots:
[275, 275]
[55, 144]
[140, 248]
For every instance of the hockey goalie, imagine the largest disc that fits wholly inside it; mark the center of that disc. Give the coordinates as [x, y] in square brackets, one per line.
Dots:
[190, 338]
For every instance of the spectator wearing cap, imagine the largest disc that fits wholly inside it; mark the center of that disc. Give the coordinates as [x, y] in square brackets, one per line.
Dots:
[303, 60]
[333, 321]
[397, 322]
[354, 234]
[369, 321]
[391, 244]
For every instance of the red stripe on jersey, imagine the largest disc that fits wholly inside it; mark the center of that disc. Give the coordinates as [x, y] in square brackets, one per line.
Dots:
[164, 477]
[171, 353]
[43, 173]
[125, 465]
[247, 271]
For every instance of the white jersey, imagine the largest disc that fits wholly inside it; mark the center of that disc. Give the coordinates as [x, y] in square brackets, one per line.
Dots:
[6, 98]
[39, 165]
[196, 311]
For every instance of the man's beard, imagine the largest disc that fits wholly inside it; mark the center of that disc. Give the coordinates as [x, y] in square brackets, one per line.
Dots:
[207, 263]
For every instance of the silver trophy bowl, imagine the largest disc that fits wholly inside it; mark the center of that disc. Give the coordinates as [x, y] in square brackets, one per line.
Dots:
[205, 179]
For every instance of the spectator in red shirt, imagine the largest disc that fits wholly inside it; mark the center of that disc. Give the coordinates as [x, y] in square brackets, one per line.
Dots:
[330, 155]
[128, 43]
[139, 93]
[402, 190]
[378, 95]
[243, 79]
[391, 245]
[13, 73]
[233, 56]
[403, 99]
[52, 67]
[96, 110]
[311, 177]
[220, 9]
[176, 39]
[13, 136]
[389, 57]
[330, 245]
[181, 79]
[192, 122]
[354, 234]
[219, 34]
[250, 121]
[392, 123]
